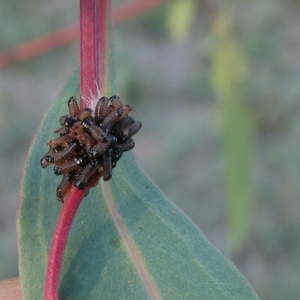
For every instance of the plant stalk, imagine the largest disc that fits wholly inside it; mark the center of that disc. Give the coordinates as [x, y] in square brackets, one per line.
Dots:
[59, 240]
[89, 92]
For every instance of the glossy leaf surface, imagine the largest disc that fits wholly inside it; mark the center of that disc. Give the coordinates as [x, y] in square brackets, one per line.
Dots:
[130, 244]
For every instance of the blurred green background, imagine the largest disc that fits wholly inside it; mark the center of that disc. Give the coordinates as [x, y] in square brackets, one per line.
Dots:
[216, 85]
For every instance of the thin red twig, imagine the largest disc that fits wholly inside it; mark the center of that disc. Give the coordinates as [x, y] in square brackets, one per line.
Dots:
[70, 34]
[93, 38]
[89, 51]
[89, 72]
[102, 23]
[39, 46]
[59, 241]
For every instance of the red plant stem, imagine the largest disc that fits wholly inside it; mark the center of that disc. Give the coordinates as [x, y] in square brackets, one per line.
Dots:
[102, 23]
[89, 82]
[70, 34]
[89, 51]
[59, 241]
[93, 38]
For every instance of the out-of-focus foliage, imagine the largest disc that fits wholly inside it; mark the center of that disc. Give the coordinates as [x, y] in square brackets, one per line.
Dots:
[229, 78]
[170, 86]
[180, 17]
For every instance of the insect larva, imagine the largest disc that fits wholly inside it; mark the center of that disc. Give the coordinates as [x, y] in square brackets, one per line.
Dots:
[67, 166]
[116, 103]
[62, 120]
[62, 130]
[98, 149]
[88, 140]
[90, 143]
[64, 154]
[133, 129]
[127, 145]
[107, 165]
[63, 187]
[96, 131]
[117, 154]
[69, 122]
[122, 124]
[126, 110]
[62, 141]
[85, 175]
[66, 121]
[44, 163]
[102, 109]
[86, 113]
[111, 118]
[73, 108]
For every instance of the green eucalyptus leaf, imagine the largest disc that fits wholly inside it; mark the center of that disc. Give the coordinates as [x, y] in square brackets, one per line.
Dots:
[127, 241]
[229, 79]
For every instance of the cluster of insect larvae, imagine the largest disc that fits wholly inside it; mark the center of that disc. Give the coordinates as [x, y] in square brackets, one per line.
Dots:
[90, 143]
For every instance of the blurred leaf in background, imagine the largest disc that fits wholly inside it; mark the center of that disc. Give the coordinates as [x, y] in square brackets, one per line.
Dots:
[229, 78]
[180, 17]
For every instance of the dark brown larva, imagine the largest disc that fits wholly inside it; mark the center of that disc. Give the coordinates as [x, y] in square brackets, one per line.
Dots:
[63, 187]
[99, 149]
[90, 145]
[133, 129]
[102, 109]
[87, 140]
[128, 145]
[73, 108]
[86, 113]
[68, 166]
[61, 141]
[123, 124]
[107, 165]
[44, 163]
[116, 103]
[97, 132]
[85, 175]
[62, 130]
[62, 155]
[111, 118]
[63, 119]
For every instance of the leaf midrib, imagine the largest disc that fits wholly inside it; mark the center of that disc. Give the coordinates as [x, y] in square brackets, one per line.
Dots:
[195, 257]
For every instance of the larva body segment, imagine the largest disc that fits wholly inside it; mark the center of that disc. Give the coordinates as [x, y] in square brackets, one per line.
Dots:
[86, 113]
[63, 187]
[61, 141]
[128, 145]
[98, 149]
[64, 130]
[96, 131]
[73, 108]
[63, 119]
[85, 175]
[117, 154]
[122, 124]
[89, 141]
[44, 162]
[107, 165]
[67, 166]
[116, 103]
[133, 129]
[101, 110]
[62, 155]
[111, 118]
